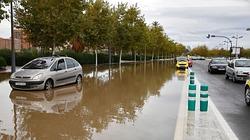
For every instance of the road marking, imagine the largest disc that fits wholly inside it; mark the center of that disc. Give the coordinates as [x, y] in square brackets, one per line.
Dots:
[227, 129]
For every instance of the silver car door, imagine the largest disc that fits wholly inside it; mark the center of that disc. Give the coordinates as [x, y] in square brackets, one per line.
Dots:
[232, 69]
[71, 70]
[61, 72]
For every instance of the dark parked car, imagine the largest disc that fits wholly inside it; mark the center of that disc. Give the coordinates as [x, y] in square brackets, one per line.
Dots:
[217, 65]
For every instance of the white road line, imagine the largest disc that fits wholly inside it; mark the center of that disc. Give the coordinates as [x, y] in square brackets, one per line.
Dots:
[229, 132]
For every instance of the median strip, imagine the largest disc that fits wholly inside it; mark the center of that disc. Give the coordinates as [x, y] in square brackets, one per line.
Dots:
[196, 125]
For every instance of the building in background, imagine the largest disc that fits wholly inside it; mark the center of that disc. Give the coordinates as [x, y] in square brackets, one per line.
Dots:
[20, 41]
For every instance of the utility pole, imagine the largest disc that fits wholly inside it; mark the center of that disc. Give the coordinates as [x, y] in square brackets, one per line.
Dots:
[13, 57]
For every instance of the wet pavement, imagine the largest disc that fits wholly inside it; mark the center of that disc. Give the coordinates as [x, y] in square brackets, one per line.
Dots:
[135, 101]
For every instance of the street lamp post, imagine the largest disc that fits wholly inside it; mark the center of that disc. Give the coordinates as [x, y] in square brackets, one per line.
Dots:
[236, 44]
[229, 40]
[226, 43]
[13, 58]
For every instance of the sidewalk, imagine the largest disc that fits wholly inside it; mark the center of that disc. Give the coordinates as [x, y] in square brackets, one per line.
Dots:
[196, 125]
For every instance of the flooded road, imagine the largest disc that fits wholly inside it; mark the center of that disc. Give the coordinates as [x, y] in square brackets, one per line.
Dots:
[131, 102]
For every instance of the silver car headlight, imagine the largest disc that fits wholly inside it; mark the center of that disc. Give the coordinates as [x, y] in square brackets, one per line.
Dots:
[12, 76]
[239, 72]
[38, 76]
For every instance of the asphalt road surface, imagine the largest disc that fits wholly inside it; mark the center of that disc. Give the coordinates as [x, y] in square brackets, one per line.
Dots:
[228, 98]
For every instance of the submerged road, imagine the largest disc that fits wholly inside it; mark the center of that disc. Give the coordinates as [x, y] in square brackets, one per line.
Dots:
[228, 98]
[135, 101]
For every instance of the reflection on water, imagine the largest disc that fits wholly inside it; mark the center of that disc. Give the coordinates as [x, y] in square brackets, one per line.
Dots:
[73, 112]
[58, 100]
[181, 74]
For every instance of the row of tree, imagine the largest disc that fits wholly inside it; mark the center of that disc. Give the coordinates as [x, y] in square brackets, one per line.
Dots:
[92, 25]
[204, 51]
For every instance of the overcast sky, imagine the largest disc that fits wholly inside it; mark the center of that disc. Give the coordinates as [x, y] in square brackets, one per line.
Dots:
[189, 21]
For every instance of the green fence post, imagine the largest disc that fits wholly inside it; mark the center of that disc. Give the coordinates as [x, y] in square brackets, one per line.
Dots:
[191, 97]
[204, 98]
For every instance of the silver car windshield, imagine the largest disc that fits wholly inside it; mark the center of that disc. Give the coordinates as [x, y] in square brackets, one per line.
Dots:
[242, 63]
[39, 64]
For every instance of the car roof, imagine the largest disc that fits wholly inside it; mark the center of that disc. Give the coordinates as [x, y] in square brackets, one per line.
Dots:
[218, 58]
[54, 57]
[242, 59]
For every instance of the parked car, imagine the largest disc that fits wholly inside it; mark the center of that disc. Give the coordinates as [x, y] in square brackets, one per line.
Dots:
[238, 70]
[217, 65]
[190, 62]
[247, 93]
[46, 73]
[182, 62]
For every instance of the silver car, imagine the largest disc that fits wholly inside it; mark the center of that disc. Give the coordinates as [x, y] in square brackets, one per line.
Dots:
[47, 72]
[238, 70]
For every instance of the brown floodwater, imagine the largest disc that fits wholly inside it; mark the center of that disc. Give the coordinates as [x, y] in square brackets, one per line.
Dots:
[134, 101]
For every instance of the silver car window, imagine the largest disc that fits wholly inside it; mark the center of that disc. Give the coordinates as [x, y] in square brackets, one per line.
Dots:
[61, 64]
[70, 63]
[242, 63]
[75, 63]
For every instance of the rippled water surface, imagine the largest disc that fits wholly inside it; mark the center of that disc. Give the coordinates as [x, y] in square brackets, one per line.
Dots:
[135, 101]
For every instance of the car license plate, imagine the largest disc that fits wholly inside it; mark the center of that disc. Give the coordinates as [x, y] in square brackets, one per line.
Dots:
[222, 69]
[20, 84]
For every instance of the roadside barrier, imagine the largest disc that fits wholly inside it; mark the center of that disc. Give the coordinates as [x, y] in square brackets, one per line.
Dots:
[191, 81]
[191, 73]
[191, 97]
[203, 98]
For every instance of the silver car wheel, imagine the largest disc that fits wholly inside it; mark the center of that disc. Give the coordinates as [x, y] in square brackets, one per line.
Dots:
[79, 79]
[48, 85]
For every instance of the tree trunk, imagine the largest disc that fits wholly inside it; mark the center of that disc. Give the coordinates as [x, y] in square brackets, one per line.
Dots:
[96, 58]
[158, 56]
[135, 57]
[145, 56]
[140, 57]
[120, 58]
[162, 57]
[53, 49]
[152, 56]
[110, 56]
